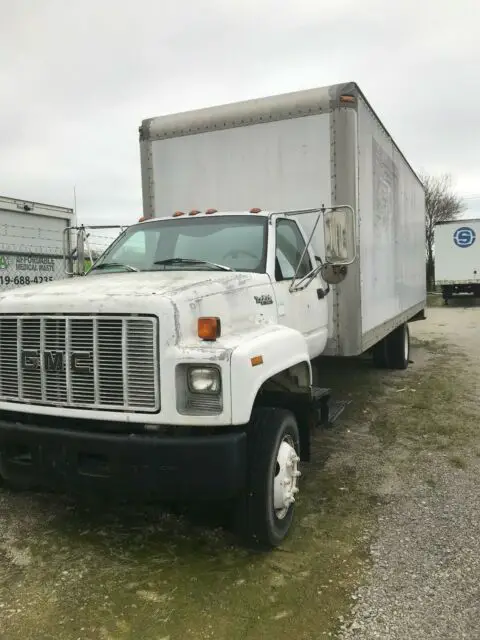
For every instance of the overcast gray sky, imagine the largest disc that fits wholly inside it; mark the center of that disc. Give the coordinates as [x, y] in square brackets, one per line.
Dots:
[78, 76]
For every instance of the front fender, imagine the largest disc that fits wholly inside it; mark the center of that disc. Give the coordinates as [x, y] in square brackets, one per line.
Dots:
[280, 348]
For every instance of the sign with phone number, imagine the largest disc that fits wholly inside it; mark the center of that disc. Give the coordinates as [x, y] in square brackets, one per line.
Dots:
[16, 271]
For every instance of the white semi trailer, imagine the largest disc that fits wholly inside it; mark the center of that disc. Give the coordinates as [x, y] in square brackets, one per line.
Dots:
[457, 257]
[274, 231]
[32, 239]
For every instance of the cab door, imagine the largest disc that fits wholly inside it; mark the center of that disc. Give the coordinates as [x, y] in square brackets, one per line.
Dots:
[305, 310]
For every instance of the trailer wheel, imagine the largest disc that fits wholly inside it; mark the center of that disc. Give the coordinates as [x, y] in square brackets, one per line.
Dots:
[398, 348]
[264, 514]
[447, 294]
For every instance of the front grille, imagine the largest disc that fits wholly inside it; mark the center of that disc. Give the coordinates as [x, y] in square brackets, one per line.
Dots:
[100, 362]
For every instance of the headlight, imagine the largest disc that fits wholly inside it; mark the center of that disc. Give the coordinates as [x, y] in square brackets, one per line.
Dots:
[204, 380]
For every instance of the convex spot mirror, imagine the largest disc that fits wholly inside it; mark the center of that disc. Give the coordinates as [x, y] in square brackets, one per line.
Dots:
[340, 236]
[333, 274]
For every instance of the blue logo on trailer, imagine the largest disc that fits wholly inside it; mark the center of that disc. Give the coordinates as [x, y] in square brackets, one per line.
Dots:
[464, 237]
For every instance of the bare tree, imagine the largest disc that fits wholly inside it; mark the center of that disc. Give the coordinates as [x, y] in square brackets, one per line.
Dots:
[441, 205]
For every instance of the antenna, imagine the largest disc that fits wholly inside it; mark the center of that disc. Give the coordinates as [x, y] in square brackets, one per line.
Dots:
[75, 204]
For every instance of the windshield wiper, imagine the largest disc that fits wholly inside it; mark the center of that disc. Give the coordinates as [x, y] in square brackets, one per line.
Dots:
[213, 265]
[105, 265]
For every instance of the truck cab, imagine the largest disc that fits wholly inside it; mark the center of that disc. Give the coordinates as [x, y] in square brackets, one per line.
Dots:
[252, 257]
[180, 365]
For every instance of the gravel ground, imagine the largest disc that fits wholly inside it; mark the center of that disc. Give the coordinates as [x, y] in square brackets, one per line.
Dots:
[425, 577]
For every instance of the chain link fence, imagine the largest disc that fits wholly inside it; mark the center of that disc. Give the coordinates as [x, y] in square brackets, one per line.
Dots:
[35, 255]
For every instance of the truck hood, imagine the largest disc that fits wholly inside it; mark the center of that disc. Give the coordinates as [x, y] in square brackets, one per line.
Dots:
[127, 292]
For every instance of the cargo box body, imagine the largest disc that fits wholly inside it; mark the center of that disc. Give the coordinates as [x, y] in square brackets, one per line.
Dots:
[298, 151]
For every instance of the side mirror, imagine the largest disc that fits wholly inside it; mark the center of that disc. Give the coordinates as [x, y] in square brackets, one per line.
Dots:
[333, 274]
[340, 236]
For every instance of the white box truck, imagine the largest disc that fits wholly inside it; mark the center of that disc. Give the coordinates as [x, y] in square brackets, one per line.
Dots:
[457, 257]
[274, 231]
[31, 242]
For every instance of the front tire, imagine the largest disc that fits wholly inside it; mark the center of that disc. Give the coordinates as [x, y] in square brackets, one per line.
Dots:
[265, 513]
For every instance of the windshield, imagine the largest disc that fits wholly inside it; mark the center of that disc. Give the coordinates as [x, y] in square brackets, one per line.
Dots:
[217, 243]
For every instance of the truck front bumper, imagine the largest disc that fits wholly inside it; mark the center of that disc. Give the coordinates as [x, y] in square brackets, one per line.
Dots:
[188, 467]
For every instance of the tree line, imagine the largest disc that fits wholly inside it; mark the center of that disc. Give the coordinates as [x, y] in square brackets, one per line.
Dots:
[442, 204]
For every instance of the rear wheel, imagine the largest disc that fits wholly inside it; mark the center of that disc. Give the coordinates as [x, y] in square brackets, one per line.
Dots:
[393, 352]
[398, 348]
[380, 354]
[264, 514]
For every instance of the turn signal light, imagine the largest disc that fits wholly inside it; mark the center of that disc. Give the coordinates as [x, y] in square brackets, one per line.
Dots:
[209, 328]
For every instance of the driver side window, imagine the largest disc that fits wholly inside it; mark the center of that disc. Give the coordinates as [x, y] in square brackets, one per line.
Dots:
[289, 248]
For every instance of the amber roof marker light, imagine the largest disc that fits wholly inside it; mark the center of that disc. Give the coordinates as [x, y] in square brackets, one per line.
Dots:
[348, 99]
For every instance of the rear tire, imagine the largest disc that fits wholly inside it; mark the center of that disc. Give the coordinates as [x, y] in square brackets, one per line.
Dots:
[393, 352]
[380, 354]
[264, 514]
[398, 348]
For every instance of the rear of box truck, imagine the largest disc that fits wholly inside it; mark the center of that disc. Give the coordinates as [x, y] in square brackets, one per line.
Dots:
[299, 151]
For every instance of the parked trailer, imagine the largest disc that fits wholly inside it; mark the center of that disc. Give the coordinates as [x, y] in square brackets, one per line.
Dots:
[457, 257]
[31, 242]
[181, 366]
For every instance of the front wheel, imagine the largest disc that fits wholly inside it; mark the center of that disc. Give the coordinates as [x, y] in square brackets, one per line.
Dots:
[265, 513]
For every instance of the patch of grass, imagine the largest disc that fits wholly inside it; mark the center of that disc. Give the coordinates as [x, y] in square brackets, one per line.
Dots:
[457, 461]
[131, 574]
[432, 346]
[432, 409]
